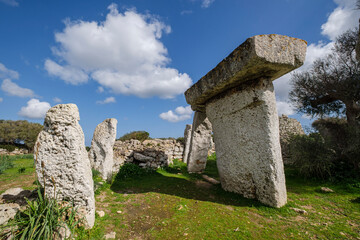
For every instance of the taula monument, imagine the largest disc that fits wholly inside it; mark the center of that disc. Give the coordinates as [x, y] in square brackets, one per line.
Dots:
[62, 163]
[238, 98]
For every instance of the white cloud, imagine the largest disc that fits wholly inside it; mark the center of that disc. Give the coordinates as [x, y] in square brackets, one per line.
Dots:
[69, 74]
[7, 73]
[15, 90]
[306, 116]
[124, 53]
[186, 12]
[12, 3]
[107, 100]
[34, 109]
[341, 19]
[100, 89]
[284, 108]
[206, 3]
[1, 99]
[57, 100]
[181, 114]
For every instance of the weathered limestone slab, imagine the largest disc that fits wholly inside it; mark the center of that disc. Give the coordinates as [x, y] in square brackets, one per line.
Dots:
[187, 141]
[239, 100]
[101, 153]
[200, 143]
[246, 132]
[261, 56]
[62, 163]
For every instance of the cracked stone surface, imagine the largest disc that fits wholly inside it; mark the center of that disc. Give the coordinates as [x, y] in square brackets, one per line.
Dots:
[61, 160]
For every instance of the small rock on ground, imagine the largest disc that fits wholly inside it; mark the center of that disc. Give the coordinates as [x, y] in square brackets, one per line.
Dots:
[100, 213]
[301, 211]
[111, 235]
[326, 190]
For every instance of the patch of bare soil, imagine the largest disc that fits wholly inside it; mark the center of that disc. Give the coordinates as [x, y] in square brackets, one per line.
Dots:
[23, 181]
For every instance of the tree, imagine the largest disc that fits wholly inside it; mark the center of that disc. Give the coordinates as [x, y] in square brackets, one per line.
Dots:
[13, 132]
[332, 85]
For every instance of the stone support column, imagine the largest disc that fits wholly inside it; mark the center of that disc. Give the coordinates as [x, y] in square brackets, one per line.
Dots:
[200, 143]
[187, 142]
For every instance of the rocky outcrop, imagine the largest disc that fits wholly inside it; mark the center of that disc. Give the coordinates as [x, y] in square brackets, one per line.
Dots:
[152, 153]
[61, 160]
[287, 128]
[101, 151]
[17, 151]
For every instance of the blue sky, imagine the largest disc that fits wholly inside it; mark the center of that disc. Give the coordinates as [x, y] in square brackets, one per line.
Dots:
[132, 60]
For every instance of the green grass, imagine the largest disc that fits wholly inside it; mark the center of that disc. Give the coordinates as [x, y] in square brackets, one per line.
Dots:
[22, 174]
[172, 204]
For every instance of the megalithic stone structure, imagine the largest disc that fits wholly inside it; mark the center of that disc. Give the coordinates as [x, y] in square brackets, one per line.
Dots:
[101, 153]
[187, 142]
[62, 163]
[238, 98]
[200, 143]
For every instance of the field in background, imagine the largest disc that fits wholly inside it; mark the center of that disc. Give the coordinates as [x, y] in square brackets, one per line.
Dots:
[172, 204]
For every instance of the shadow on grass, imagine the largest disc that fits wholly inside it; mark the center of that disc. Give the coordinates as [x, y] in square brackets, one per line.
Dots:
[177, 181]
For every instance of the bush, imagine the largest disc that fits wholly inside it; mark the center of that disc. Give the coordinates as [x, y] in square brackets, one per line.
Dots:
[8, 147]
[5, 163]
[21, 170]
[311, 156]
[138, 135]
[42, 219]
[130, 170]
[181, 140]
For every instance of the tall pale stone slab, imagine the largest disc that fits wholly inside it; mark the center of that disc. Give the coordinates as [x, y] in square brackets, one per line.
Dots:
[187, 140]
[246, 132]
[101, 153]
[61, 160]
[200, 143]
[239, 100]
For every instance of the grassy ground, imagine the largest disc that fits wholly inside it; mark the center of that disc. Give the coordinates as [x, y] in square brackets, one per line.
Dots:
[172, 204]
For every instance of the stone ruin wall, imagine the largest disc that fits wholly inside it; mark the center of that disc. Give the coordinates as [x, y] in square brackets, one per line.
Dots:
[151, 153]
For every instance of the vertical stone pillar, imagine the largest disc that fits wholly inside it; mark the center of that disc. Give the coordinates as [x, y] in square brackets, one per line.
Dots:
[101, 153]
[200, 143]
[187, 141]
[246, 132]
[62, 163]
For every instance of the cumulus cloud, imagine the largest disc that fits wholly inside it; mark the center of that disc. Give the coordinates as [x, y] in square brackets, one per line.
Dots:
[180, 114]
[1, 99]
[69, 74]
[100, 89]
[12, 3]
[341, 19]
[107, 100]
[124, 53]
[34, 109]
[13, 89]
[57, 100]
[7, 73]
[206, 3]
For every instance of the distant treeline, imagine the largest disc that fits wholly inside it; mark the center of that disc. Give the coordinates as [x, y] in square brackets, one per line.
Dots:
[19, 133]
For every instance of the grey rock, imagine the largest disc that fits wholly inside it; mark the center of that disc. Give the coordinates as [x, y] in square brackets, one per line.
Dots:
[262, 56]
[101, 153]
[62, 163]
[111, 235]
[8, 212]
[142, 158]
[100, 213]
[187, 140]
[200, 143]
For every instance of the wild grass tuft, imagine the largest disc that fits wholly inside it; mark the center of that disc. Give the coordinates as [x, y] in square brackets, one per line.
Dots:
[5, 163]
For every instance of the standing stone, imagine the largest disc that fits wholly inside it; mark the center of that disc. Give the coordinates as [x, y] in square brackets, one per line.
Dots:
[239, 100]
[62, 163]
[187, 141]
[200, 143]
[101, 153]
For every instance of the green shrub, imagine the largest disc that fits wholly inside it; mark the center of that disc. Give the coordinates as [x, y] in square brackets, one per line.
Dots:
[5, 163]
[8, 147]
[138, 135]
[21, 170]
[87, 148]
[42, 219]
[130, 170]
[311, 156]
[176, 167]
[181, 140]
